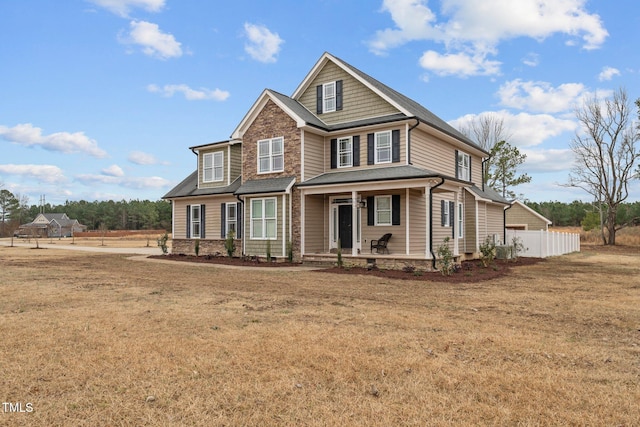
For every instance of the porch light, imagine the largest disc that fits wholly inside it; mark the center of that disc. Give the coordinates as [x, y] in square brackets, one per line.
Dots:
[362, 203]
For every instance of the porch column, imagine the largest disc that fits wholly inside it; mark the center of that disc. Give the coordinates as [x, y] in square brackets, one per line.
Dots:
[354, 223]
[407, 206]
[302, 223]
[456, 226]
[427, 210]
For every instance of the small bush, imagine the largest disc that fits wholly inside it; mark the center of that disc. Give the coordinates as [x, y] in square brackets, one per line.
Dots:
[268, 250]
[446, 261]
[162, 242]
[196, 248]
[339, 253]
[488, 251]
[230, 243]
[289, 251]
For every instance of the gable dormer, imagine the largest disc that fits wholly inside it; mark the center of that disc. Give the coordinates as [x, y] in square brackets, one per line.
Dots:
[335, 94]
[219, 163]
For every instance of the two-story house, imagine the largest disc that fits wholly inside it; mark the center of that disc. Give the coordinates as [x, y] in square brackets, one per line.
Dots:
[341, 162]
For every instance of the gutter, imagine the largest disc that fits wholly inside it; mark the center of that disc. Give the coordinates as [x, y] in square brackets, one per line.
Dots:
[433, 255]
[409, 141]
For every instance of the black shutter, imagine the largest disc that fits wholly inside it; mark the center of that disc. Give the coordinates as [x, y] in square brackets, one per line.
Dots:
[470, 176]
[202, 222]
[395, 146]
[442, 211]
[452, 218]
[370, 148]
[456, 163]
[395, 209]
[371, 211]
[239, 220]
[356, 150]
[188, 221]
[339, 95]
[334, 153]
[223, 220]
[319, 99]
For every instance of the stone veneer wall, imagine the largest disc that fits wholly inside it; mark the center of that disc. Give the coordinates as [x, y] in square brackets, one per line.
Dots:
[207, 247]
[272, 122]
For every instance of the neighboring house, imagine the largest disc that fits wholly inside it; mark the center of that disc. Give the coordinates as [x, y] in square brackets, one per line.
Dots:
[51, 225]
[341, 162]
[521, 217]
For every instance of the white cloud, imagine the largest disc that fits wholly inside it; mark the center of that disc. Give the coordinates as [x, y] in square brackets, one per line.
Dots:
[531, 60]
[460, 64]
[541, 96]
[547, 160]
[28, 135]
[123, 7]
[478, 27]
[189, 93]
[141, 158]
[137, 183]
[608, 73]
[44, 173]
[113, 170]
[153, 41]
[263, 45]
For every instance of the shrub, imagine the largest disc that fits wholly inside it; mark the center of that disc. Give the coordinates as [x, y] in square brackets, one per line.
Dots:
[488, 251]
[197, 247]
[230, 243]
[268, 250]
[289, 251]
[446, 261]
[518, 247]
[162, 242]
[339, 253]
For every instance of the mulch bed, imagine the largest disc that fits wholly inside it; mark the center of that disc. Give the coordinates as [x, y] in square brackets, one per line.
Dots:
[469, 271]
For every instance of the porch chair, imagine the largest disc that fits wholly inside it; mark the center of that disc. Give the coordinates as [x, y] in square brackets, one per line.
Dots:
[381, 244]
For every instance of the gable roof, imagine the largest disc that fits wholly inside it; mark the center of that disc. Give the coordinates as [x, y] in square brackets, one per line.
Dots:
[189, 188]
[533, 212]
[488, 194]
[264, 186]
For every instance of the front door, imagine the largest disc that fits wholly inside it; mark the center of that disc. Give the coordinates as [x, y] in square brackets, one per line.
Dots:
[345, 225]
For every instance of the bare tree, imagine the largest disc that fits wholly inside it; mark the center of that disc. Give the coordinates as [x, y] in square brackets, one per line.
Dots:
[606, 153]
[487, 130]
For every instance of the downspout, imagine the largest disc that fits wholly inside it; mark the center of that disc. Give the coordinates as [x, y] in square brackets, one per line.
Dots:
[504, 222]
[433, 255]
[237, 196]
[409, 140]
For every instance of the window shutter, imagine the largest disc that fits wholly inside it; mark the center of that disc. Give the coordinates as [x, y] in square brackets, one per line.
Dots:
[239, 220]
[371, 211]
[370, 148]
[452, 212]
[470, 176]
[202, 222]
[395, 209]
[456, 163]
[338, 95]
[223, 220]
[442, 211]
[356, 150]
[334, 153]
[319, 99]
[395, 146]
[188, 221]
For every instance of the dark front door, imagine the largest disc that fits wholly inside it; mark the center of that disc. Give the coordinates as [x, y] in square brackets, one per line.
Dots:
[345, 233]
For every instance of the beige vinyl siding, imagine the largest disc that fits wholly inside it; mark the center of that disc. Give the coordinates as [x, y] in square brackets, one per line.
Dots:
[476, 170]
[180, 218]
[417, 222]
[314, 155]
[364, 150]
[315, 219]
[495, 220]
[470, 240]
[518, 215]
[397, 243]
[440, 232]
[258, 246]
[359, 102]
[236, 161]
[430, 153]
[225, 168]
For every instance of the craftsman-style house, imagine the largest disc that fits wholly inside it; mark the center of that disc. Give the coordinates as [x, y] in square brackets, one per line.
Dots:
[340, 163]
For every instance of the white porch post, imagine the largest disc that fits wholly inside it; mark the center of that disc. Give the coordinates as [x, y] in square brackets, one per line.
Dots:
[406, 222]
[354, 222]
[427, 207]
[302, 224]
[456, 214]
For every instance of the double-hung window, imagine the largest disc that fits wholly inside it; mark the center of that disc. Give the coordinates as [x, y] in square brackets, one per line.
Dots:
[460, 220]
[383, 147]
[271, 155]
[464, 166]
[345, 152]
[213, 167]
[263, 218]
[383, 210]
[329, 97]
[231, 218]
[196, 221]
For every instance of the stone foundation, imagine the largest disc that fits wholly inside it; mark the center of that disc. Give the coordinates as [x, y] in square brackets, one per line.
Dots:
[207, 247]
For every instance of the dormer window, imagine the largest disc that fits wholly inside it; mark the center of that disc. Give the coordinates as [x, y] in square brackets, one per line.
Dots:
[213, 167]
[329, 97]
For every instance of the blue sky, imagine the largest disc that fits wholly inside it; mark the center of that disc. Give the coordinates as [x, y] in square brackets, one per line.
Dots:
[100, 99]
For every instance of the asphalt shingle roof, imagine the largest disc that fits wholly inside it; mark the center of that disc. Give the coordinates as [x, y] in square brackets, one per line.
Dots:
[189, 188]
[269, 185]
[372, 174]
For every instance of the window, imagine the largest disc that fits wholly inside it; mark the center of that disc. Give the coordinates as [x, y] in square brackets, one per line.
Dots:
[329, 97]
[447, 214]
[195, 221]
[383, 210]
[383, 147]
[213, 167]
[263, 219]
[460, 220]
[345, 152]
[231, 219]
[464, 166]
[270, 155]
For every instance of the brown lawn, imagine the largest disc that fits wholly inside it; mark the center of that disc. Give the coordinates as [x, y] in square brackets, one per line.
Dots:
[95, 339]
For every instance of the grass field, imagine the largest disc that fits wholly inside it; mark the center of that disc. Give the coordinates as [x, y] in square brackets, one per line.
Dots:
[96, 339]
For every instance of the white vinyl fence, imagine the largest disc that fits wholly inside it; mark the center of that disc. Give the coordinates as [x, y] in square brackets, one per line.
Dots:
[542, 244]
